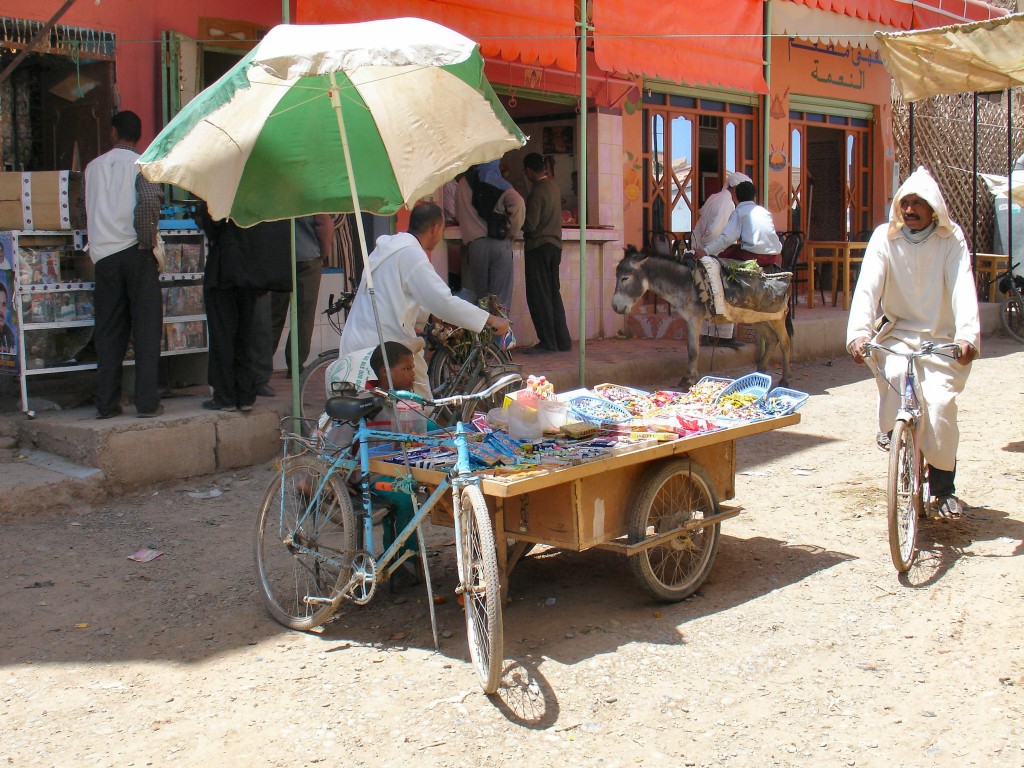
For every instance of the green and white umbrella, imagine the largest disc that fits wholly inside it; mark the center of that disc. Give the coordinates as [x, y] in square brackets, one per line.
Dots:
[268, 140]
[335, 118]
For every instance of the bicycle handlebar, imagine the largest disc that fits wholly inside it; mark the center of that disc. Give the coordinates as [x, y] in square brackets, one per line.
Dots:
[928, 348]
[500, 383]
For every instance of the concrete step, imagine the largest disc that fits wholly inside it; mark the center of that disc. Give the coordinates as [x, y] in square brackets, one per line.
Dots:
[68, 456]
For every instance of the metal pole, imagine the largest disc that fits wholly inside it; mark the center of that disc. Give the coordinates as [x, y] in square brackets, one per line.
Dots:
[911, 132]
[584, 28]
[293, 303]
[766, 101]
[974, 188]
[1009, 174]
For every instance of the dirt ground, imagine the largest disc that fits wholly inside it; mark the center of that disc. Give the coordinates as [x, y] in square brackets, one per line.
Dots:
[803, 648]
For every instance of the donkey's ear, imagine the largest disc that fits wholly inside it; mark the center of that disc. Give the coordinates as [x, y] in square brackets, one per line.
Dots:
[630, 250]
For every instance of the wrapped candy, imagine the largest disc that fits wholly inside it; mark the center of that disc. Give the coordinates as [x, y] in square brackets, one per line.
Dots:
[540, 386]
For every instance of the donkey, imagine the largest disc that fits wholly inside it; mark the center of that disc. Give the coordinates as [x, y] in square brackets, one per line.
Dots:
[671, 278]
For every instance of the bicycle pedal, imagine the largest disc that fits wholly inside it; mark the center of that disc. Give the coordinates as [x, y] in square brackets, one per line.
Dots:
[316, 600]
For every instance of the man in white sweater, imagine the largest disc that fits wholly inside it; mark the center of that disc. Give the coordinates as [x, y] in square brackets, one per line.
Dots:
[122, 209]
[711, 221]
[405, 284]
[916, 285]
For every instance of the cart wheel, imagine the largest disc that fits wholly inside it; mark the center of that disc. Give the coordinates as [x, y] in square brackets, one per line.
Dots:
[671, 495]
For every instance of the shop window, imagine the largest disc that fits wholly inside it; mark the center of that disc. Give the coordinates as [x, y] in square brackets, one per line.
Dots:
[830, 178]
[687, 152]
[795, 181]
[730, 146]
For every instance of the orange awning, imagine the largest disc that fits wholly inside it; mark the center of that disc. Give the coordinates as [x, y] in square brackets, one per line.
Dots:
[541, 32]
[910, 14]
[698, 42]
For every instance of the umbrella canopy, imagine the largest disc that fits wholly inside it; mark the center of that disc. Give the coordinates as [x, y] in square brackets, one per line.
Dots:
[265, 141]
[962, 58]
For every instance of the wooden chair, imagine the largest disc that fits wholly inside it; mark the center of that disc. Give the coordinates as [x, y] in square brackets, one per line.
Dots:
[792, 247]
[661, 244]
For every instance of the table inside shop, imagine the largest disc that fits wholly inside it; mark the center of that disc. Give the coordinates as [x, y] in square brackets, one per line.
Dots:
[656, 503]
[841, 255]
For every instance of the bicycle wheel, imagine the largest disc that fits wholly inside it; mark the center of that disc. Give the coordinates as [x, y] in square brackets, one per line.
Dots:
[299, 554]
[1011, 312]
[903, 496]
[313, 392]
[443, 366]
[671, 495]
[481, 588]
[495, 400]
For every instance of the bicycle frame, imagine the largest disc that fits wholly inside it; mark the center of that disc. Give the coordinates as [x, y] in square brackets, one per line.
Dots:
[459, 476]
[905, 490]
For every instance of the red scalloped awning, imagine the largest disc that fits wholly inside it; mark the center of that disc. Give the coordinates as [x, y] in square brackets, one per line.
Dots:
[698, 42]
[910, 14]
[541, 32]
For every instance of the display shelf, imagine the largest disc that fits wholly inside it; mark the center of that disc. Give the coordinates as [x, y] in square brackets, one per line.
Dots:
[182, 318]
[29, 326]
[50, 284]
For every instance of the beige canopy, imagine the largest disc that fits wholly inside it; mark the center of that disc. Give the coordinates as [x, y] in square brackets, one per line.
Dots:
[961, 58]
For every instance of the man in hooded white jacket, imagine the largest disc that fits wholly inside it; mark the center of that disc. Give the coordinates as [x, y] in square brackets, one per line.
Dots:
[405, 284]
[916, 286]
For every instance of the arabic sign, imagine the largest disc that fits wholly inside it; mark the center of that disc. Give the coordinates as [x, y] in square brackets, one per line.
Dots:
[837, 70]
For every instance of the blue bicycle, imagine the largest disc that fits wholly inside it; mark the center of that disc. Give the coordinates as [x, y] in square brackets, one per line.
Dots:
[907, 485]
[313, 551]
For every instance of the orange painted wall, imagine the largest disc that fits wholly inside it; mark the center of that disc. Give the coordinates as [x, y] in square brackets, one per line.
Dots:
[138, 25]
[847, 74]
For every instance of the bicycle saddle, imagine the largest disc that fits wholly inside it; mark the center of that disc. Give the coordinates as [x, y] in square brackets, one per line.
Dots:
[352, 409]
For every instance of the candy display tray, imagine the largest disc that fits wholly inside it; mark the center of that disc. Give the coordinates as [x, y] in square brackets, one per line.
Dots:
[787, 400]
[752, 384]
[595, 410]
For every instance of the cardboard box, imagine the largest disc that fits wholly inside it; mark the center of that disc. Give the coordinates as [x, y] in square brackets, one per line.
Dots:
[43, 200]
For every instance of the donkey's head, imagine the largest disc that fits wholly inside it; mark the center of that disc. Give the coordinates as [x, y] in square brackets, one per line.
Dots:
[630, 281]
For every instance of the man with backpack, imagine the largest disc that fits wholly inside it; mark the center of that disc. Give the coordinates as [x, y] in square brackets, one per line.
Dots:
[491, 214]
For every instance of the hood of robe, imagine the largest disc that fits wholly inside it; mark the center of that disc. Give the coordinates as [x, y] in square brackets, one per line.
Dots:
[922, 184]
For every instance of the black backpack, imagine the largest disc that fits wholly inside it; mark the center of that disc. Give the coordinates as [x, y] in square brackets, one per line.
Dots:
[485, 199]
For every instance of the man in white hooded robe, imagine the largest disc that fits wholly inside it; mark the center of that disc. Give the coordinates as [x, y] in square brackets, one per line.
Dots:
[916, 286]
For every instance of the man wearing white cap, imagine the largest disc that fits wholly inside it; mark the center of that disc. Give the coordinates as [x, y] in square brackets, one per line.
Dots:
[749, 233]
[711, 220]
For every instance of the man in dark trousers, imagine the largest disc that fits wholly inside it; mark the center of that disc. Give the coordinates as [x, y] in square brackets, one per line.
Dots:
[243, 264]
[122, 209]
[542, 231]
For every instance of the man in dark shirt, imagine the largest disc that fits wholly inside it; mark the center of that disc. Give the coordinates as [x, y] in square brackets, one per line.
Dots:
[542, 231]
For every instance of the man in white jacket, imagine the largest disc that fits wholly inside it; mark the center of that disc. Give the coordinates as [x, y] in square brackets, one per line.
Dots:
[405, 284]
[916, 285]
[711, 221]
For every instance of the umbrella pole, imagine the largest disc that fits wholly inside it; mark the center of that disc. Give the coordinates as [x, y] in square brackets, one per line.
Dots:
[293, 337]
[357, 215]
[368, 276]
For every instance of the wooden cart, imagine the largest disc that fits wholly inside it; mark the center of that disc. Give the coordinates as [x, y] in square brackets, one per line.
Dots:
[657, 504]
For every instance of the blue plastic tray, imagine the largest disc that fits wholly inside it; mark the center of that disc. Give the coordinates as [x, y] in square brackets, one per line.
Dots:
[581, 406]
[751, 384]
[786, 402]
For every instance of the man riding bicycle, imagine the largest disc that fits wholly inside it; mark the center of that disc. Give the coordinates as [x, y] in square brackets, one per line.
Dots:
[916, 286]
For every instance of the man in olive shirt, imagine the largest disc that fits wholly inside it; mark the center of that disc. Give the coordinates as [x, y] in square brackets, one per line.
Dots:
[542, 232]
